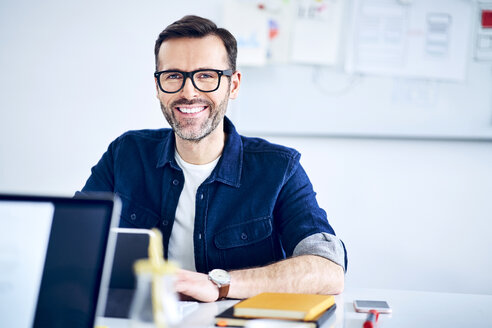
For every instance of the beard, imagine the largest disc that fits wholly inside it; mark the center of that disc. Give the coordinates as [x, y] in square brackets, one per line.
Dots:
[186, 129]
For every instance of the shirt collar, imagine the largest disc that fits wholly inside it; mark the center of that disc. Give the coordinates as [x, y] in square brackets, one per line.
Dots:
[166, 149]
[229, 168]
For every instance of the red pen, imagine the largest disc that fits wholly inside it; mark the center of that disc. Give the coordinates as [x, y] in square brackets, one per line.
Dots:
[372, 319]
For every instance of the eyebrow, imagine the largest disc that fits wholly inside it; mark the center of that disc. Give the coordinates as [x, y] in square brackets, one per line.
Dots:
[199, 68]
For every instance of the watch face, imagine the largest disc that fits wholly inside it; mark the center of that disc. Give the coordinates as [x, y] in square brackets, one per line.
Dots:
[220, 276]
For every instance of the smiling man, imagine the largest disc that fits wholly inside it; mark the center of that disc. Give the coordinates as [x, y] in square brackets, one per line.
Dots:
[238, 214]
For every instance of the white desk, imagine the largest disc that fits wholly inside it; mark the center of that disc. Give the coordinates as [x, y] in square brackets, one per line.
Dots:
[410, 309]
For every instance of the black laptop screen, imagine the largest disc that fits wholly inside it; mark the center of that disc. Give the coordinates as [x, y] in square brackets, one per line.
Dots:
[74, 254]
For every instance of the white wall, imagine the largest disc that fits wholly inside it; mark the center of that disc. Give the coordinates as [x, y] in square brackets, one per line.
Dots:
[413, 214]
[75, 75]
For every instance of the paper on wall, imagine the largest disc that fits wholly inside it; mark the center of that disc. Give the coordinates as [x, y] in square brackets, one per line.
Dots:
[280, 15]
[316, 31]
[249, 25]
[427, 39]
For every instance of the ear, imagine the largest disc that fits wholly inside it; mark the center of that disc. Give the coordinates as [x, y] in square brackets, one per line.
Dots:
[235, 82]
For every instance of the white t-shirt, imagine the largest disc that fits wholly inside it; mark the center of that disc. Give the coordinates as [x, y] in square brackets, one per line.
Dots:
[181, 248]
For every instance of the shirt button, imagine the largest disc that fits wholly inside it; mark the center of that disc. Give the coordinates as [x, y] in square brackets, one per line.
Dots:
[133, 216]
[201, 196]
[244, 236]
[175, 182]
[165, 222]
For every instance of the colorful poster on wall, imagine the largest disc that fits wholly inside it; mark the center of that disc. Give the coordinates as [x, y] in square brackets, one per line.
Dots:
[280, 15]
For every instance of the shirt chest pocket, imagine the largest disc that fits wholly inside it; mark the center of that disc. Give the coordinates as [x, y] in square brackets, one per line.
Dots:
[246, 244]
[136, 216]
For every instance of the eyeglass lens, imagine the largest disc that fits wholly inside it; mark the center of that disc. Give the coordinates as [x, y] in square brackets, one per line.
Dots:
[203, 81]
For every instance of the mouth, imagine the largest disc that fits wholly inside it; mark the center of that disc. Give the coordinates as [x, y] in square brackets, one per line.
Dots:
[191, 109]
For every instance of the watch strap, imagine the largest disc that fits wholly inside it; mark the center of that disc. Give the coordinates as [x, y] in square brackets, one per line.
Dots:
[223, 291]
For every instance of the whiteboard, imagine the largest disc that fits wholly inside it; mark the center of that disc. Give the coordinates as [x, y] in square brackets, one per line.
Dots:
[323, 102]
[309, 100]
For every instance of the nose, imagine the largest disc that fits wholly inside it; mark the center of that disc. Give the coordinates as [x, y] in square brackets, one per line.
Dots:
[189, 90]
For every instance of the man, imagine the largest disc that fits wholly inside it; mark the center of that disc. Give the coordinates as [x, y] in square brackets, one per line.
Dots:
[239, 214]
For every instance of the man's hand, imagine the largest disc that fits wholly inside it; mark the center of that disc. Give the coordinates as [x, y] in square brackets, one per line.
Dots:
[302, 274]
[196, 286]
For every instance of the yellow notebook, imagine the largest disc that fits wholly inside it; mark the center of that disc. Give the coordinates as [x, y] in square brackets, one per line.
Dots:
[284, 305]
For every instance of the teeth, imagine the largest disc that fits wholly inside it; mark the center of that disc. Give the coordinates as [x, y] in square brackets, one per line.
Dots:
[191, 110]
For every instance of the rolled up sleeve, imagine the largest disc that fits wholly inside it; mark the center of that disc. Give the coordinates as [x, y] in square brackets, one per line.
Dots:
[325, 245]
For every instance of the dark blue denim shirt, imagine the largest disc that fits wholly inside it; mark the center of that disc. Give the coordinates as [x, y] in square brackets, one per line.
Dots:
[253, 209]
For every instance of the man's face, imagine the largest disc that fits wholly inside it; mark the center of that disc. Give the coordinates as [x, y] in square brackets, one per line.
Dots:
[193, 114]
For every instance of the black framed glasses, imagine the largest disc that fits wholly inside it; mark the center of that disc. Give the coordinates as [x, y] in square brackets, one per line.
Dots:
[204, 80]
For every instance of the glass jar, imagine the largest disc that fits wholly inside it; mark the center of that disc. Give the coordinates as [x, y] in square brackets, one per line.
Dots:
[155, 303]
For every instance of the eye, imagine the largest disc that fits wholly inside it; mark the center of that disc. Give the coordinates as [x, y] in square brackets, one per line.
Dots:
[172, 76]
[205, 75]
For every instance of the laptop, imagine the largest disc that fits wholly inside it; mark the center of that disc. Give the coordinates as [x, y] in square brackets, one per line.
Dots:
[55, 254]
[131, 245]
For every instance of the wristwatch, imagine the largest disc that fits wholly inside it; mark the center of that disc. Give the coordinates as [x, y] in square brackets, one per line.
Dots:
[222, 279]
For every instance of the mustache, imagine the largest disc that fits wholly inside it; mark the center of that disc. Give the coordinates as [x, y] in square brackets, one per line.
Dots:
[184, 101]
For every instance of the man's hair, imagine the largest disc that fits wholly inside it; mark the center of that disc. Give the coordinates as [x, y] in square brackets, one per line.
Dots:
[197, 27]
